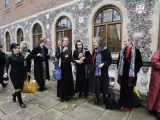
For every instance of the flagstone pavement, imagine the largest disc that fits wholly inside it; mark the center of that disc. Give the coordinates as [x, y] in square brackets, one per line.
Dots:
[46, 106]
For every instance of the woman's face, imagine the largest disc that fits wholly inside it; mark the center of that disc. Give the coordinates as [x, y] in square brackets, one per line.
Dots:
[126, 43]
[16, 50]
[65, 42]
[95, 44]
[79, 45]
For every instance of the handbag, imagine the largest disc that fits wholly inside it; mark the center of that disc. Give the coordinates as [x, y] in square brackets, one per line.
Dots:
[110, 102]
[29, 86]
[57, 73]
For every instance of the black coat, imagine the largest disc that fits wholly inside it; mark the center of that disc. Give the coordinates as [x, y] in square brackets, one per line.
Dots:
[100, 86]
[38, 73]
[65, 86]
[2, 64]
[127, 97]
[82, 72]
[18, 70]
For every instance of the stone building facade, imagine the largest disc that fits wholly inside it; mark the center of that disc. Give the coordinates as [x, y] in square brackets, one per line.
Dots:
[140, 21]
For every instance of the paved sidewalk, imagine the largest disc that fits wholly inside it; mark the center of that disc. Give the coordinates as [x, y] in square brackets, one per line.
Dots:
[46, 106]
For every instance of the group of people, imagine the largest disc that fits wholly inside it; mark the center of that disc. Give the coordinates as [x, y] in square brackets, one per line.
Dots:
[91, 71]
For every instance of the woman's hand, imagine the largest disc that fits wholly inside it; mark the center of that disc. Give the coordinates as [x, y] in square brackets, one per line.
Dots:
[5, 75]
[28, 73]
[101, 65]
[79, 61]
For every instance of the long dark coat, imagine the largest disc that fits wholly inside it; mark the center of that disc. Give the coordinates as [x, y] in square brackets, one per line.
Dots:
[154, 87]
[18, 70]
[65, 86]
[100, 86]
[38, 73]
[2, 64]
[82, 72]
[127, 98]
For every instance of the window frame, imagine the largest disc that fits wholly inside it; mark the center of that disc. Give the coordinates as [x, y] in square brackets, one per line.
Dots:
[19, 37]
[18, 1]
[108, 23]
[8, 41]
[63, 30]
[5, 1]
[37, 34]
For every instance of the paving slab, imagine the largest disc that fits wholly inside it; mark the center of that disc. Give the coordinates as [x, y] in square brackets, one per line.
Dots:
[50, 114]
[140, 114]
[47, 102]
[84, 111]
[24, 113]
[9, 107]
[66, 107]
[113, 115]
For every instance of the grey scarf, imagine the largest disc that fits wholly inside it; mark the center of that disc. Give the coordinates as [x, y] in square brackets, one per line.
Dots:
[132, 65]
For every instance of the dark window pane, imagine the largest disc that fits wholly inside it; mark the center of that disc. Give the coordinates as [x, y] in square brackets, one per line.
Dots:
[36, 39]
[19, 36]
[114, 38]
[68, 33]
[100, 31]
[7, 41]
[107, 15]
[64, 23]
[116, 16]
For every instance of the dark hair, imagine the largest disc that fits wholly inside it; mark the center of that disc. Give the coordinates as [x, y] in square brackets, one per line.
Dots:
[76, 44]
[14, 45]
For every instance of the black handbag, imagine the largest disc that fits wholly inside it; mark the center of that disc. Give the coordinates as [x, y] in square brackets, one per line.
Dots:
[110, 102]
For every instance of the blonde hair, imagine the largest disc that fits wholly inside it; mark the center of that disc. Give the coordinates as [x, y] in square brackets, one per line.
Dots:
[42, 39]
[22, 43]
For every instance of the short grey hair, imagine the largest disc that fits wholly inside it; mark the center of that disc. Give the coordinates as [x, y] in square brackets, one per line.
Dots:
[98, 39]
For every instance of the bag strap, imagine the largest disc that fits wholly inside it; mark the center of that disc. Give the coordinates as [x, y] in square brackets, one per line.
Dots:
[60, 47]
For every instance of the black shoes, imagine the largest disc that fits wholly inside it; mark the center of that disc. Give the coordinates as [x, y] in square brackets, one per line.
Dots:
[4, 85]
[14, 97]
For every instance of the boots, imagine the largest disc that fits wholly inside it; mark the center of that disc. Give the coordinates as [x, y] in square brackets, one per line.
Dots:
[3, 84]
[22, 105]
[104, 98]
[96, 100]
[14, 97]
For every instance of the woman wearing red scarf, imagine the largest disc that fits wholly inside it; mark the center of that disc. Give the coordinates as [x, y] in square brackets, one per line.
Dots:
[129, 64]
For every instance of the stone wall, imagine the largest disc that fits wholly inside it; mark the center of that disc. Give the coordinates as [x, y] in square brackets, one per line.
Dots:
[138, 24]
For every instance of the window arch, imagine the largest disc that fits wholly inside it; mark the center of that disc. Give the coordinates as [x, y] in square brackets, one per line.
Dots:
[107, 25]
[64, 29]
[8, 39]
[20, 37]
[37, 34]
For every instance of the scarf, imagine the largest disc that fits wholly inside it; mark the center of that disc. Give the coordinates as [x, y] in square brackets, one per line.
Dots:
[132, 64]
[98, 60]
[24, 51]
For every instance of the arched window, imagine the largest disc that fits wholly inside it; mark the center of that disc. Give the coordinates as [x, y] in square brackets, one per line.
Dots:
[64, 29]
[8, 39]
[107, 25]
[20, 37]
[37, 34]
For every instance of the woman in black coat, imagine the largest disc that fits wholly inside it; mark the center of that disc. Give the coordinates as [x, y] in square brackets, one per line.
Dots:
[41, 64]
[2, 65]
[129, 64]
[26, 54]
[101, 60]
[65, 87]
[81, 58]
[17, 72]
